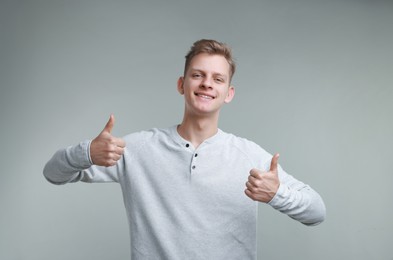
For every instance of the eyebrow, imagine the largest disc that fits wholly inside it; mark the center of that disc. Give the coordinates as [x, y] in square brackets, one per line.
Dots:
[214, 73]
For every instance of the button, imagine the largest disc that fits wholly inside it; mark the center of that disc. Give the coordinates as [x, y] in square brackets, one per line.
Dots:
[196, 155]
[187, 145]
[193, 167]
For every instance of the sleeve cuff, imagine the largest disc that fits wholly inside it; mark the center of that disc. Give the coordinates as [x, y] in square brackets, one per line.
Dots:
[282, 192]
[88, 152]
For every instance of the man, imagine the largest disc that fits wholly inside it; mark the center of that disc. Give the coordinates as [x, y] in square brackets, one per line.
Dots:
[190, 190]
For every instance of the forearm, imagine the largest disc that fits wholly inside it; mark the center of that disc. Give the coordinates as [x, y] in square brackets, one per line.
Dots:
[300, 203]
[66, 164]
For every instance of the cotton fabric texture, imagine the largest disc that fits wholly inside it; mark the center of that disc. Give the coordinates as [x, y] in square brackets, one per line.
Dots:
[187, 203]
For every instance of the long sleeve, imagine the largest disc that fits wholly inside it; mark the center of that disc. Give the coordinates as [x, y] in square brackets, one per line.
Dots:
[73, 164]
[298, 200]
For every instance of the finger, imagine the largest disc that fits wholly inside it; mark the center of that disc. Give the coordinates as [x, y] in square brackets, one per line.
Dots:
[274, 163]
[111, 162]
[120, 142]
[119, 150]
[253, 180]
[109, 125]
[249, 194]
[255, 173]
[250, 186]
[116, 157]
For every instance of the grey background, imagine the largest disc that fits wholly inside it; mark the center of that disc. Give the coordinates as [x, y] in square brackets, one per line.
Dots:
[314, 82]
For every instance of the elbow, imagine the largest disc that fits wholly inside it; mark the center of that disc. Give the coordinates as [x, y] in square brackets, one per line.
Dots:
[50, 175]
[52, 181]
[318, 214]
[315, 222]
[47, 175]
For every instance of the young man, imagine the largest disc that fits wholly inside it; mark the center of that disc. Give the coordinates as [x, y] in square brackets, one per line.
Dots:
[190, 190]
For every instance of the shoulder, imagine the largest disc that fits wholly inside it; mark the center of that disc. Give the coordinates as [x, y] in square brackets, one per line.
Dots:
[143, 137]
[246, 147]
[148, 134]
[240, 142]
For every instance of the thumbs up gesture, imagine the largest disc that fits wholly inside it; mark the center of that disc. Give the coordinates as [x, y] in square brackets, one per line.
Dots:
[105, 149]
[261, 185]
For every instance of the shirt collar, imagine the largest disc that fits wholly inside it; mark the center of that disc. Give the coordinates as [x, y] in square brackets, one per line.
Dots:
[179, 139]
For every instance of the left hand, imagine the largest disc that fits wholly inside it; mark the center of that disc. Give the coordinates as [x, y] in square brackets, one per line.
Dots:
[262, 185]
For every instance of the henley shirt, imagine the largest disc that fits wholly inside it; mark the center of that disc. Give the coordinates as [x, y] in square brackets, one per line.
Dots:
[187, 203]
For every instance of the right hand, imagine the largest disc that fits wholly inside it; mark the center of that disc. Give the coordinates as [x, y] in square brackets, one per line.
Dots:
[106, 149]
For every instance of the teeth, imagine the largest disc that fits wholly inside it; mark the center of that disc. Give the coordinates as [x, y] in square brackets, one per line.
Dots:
[204, 96]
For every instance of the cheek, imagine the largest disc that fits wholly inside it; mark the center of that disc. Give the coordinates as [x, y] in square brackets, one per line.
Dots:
[189, 87]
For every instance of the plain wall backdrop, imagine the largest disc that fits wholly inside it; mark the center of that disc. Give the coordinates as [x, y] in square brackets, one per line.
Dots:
[314, 82]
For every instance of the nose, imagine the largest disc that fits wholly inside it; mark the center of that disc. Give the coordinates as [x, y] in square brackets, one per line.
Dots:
[207, 83]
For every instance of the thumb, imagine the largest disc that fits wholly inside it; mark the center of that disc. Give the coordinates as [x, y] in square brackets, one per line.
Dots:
[109, 125]
[274, 163]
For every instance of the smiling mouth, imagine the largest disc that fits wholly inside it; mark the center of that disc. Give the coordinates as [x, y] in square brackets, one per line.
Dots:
[204, 96]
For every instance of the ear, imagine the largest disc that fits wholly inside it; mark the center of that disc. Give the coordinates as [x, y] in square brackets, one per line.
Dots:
[230, 95]
[180, 87]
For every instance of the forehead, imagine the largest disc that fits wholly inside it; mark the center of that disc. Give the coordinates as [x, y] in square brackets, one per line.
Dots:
[210, 63]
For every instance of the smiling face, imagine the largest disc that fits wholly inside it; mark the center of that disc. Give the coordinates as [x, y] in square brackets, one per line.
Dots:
[206, 85]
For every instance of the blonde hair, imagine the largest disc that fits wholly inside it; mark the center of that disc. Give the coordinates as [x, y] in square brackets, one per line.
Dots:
[211, 47]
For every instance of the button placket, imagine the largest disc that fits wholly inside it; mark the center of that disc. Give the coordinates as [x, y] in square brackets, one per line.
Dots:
[194, 162]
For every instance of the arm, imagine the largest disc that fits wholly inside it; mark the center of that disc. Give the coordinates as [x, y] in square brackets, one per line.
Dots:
[298, 200]
[286, 194]
[67, 165]
[83, 161]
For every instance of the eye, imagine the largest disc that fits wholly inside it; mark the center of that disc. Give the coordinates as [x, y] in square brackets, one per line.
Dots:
[220, 80]
[196, 75]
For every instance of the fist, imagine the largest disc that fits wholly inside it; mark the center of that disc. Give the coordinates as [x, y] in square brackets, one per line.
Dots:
[262, 185]
[106, 149]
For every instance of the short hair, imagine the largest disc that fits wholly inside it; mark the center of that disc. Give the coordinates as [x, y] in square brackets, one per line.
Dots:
[211, 47]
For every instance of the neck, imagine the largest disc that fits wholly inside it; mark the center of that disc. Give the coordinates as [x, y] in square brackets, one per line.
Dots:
[197, 130]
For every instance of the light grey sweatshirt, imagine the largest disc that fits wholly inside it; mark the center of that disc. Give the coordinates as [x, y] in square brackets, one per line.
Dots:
[187, 203]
